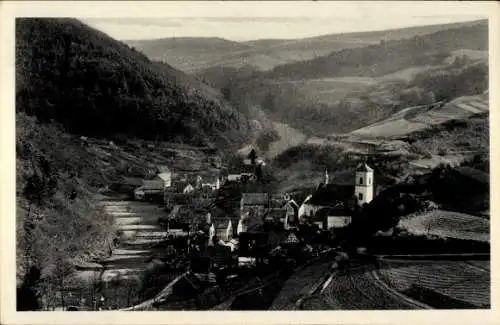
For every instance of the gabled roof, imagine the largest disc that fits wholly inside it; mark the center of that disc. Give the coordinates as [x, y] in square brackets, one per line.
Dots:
[330, 194]
[291, 239]
[165, 176]
[255, 198]
[293, 204]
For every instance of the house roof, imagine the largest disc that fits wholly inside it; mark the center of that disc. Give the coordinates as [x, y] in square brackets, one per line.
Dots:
[291, 239]
[253, 223]
[276, 214]
[165, 176]
[136, 181]
[341, 210]
[330, 194]
[152, 185]
[293, 204]
[255, 198]
[276, 237]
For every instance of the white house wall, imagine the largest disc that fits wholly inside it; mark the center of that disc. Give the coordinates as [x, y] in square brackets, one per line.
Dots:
[338, 221]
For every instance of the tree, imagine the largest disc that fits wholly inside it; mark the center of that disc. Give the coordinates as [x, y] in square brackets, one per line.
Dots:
[252, 156]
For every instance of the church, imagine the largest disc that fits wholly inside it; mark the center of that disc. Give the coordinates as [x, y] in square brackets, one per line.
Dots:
[332, 205]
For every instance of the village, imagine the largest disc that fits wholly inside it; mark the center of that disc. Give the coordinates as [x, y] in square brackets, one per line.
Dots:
[226, 225]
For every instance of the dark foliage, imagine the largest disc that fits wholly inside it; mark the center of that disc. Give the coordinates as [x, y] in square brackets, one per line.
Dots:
[387, 57]
[97, 86]
[305, 109]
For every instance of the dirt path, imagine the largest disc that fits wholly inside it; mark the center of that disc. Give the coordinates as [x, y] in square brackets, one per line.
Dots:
[121, 274]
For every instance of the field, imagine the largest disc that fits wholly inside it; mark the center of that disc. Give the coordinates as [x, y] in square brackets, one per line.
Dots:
[298, 285]
[418, 118]
[448, 224]
[357, 290]
[467, 284]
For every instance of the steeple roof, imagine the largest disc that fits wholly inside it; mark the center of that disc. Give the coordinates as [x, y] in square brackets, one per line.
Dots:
[363, 167]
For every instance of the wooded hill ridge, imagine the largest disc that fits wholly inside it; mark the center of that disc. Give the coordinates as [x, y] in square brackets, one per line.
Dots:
[353, 88]
[195, 54]
[97, 86]
[387, 56]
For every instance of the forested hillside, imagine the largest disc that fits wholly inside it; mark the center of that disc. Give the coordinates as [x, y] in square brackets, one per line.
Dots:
[94, 85]
[388, 56]
[353, 88]
[58, 220]
[196, 54]
[71, 81]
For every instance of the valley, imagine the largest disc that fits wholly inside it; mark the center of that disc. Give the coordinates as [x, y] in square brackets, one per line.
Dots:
[168, 174]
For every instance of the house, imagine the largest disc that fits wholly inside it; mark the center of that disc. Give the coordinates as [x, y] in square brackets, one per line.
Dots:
[127, 185]
[220, 229]
[332, 205]
[149, 188]
[213, 186]
[291, 215]
[333, 217]
[249, 223]
[242, 173]
[276, 215]
[165, 177]
[222, 256]
[183, 187]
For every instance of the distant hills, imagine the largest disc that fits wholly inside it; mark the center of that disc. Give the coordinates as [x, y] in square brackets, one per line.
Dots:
[355, 87]
[388, 56]
[193, 55]
[94, 85]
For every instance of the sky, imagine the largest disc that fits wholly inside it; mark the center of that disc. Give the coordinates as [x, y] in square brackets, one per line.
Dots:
[258, 20]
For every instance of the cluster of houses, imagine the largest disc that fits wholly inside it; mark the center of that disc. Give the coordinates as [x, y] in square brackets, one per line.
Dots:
[272, 219]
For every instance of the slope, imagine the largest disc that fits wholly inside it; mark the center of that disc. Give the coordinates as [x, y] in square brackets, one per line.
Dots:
[193, 55]
[353, 88]
[188, 53]
[420, 118]
[60, 218]
[388, 56]
[97, 86]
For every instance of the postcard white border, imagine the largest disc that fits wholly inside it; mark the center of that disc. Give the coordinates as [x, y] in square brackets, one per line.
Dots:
[11, 9]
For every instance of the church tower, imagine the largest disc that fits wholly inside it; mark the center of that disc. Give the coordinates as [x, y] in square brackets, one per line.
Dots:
[363, 184]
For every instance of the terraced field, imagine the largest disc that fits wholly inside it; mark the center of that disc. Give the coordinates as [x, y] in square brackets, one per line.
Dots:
[461, 281]
[419, 117]
[448, 224]
[121, 275]
[298, 285]
[357, 290]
